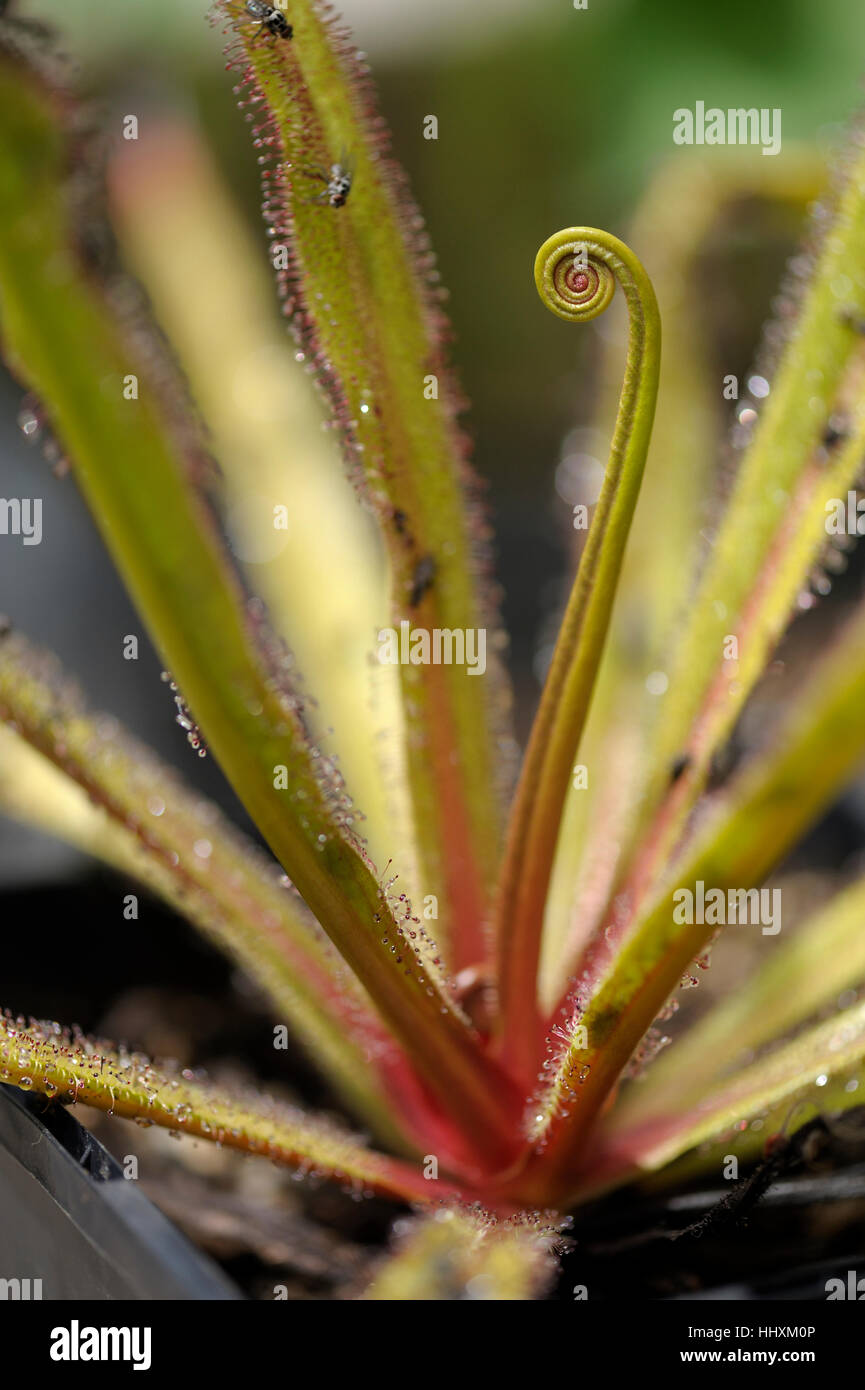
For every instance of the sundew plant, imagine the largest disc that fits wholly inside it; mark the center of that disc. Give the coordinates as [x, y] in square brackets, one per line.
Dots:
[477, 951]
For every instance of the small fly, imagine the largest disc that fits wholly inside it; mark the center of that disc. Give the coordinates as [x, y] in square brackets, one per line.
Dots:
[837, 429]
[680, 767]
[270, 19]
[422, 580]
[337, 183]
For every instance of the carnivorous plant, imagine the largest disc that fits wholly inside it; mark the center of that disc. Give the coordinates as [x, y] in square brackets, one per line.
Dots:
[478, 964]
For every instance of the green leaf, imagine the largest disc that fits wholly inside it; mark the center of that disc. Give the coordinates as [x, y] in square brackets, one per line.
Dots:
[322, 576]
[63, 338]
[632, 972]
[823, 1069]
[366, 306]
[805, 973]
[687, 206]
[773, 530]
[576, 273]
[113, 798]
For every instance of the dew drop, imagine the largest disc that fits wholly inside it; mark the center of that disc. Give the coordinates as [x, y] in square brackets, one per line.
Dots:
[28, 422]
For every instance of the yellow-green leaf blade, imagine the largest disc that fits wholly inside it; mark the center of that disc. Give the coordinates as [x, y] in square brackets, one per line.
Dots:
[755, 822]
[806, 973]
[457, 1254]
[42, 1058]
[63, 338]
[774, 527]
[823, 1068]
[127, 808]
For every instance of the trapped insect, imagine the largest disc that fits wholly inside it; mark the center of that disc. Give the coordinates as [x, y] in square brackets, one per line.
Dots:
[422, 580]
[338, 182]
[837, 429]
[680, 766]
[271, 20]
